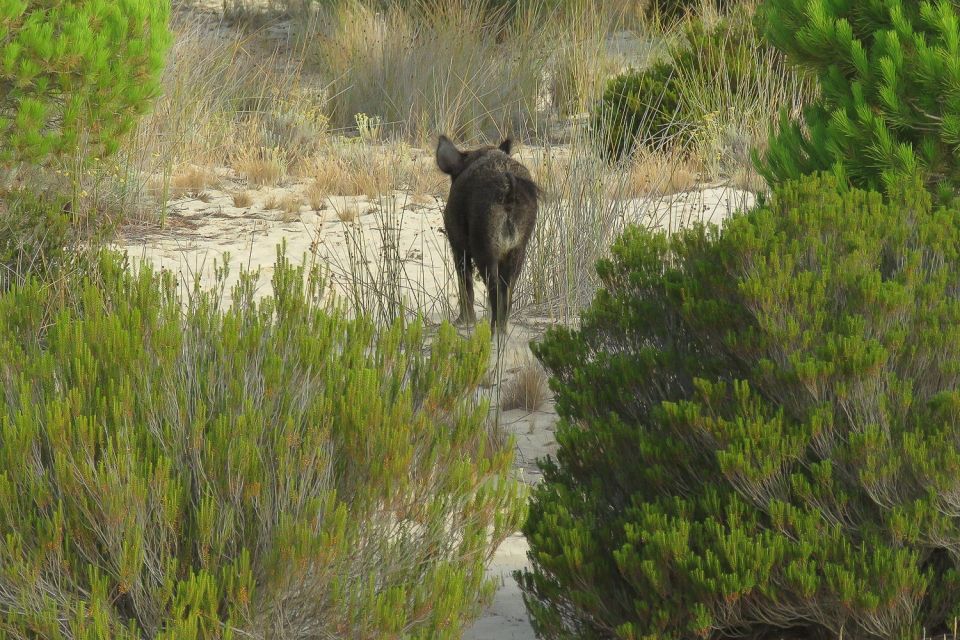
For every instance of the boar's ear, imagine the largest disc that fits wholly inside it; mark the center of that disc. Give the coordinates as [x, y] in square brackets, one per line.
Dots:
[506, 145]
[449, 158]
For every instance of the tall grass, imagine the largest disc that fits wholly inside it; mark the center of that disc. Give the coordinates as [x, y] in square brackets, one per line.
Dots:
[383, 273]
[228, 97]
[579, 57]
[443, 65]
[737, 101]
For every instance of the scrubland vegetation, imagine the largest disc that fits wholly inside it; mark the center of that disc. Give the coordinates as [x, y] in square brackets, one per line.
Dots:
[758, 432]
[347, 98]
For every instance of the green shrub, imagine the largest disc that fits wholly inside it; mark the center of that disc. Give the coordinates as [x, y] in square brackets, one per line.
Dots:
[271, 469]
[667, 104]
[760, 431]
[76, 72]
[638, 105]
[890, 102]
[35, 237]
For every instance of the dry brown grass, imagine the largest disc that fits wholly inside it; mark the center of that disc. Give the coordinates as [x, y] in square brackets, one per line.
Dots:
[551, 172]
[290, 206]
[224, 92]
[192, 180]
[261, 168]
[442, 70]
[242, 199]
[316, 196]
[748, 179]
[272, 201]
[356, 170]
[331, 176]
[349, 212]
[527, 389]
[655, 174]
[421, 177]
[581, 61]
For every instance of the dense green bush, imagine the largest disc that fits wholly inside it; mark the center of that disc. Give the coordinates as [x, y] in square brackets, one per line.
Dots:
[663, 104]
[76, 72]
[760, 431]
[890, 103]
[638, 105]
[267, 470]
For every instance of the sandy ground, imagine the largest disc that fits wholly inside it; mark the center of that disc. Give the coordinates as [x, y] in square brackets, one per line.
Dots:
[370, 242]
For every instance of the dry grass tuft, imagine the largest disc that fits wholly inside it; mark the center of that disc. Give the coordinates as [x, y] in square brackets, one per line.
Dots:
[349, 212]
[655, 174]
[439, 63]
[357, 170]
[290, 206]
[316, 196]
[242, 199]
[263, 168]
[225, 92]
[527, 389]
[192, 181]
[582, 61]
[430, 183]
[748, 179]
[330, 176]
[551, 170]
[272, 201]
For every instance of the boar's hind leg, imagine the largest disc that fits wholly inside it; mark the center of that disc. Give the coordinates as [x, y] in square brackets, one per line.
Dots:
[464, 268]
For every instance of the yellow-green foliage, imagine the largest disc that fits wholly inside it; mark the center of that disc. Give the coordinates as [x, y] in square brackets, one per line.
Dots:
[76, 72]
[268, 469]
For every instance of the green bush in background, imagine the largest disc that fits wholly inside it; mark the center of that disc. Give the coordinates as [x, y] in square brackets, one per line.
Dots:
[76, 72]
[637, 106]
[269, 469]
[760, 431]
[890, 103]
[662, 106]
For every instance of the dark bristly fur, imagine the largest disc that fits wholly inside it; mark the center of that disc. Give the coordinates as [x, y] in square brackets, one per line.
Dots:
[489, 219]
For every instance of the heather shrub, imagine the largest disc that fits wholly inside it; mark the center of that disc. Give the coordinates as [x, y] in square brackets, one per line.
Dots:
[76, 72]
[265, 468]
[889, 104]
[760, 429]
